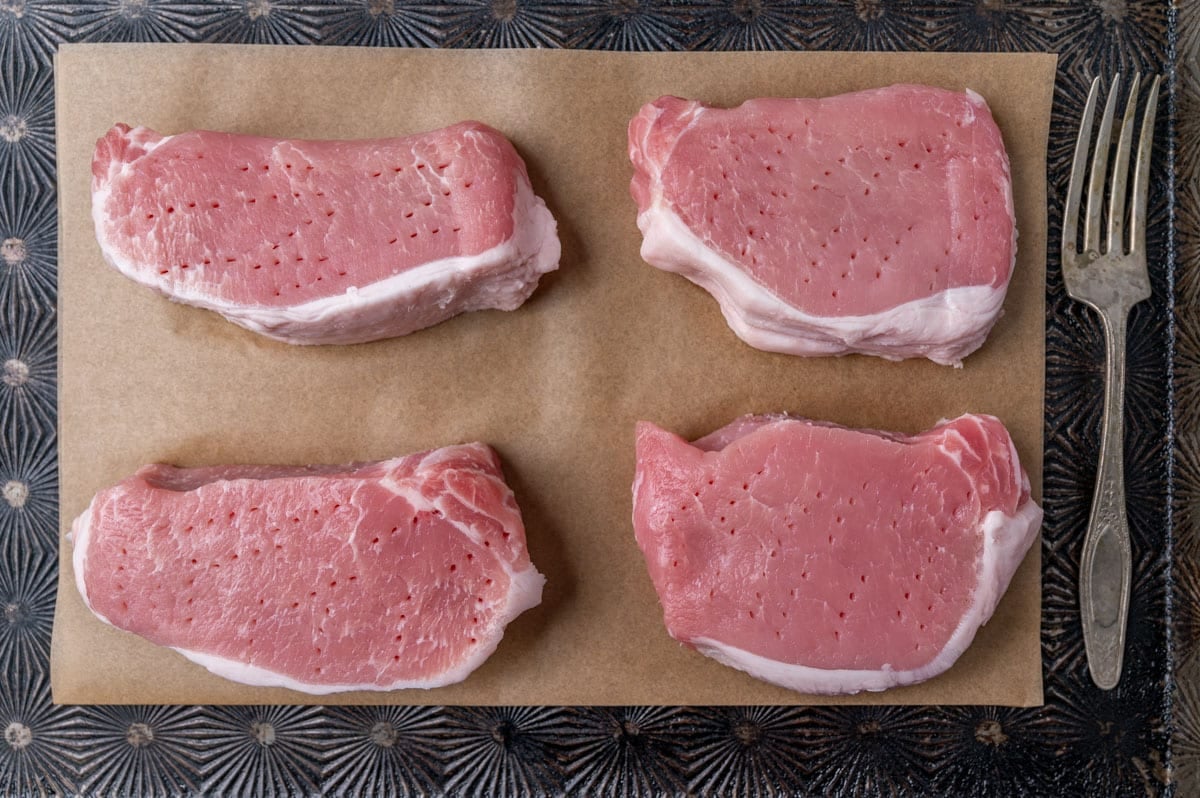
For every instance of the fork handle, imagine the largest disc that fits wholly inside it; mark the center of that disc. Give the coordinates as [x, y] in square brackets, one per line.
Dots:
[1106, 563]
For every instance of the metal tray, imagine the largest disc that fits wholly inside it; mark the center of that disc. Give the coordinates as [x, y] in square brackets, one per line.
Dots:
[1140, 739]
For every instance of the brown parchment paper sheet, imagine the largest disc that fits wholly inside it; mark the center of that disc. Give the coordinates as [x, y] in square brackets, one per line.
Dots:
[556, 386]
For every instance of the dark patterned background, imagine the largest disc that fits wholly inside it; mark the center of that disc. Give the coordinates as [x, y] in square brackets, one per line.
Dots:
[1141, 739]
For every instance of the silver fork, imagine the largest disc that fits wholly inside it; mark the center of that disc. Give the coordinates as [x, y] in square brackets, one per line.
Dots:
[1111, 278]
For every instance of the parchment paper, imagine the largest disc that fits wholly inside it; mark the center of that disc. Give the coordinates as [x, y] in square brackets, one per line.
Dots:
[556, 386]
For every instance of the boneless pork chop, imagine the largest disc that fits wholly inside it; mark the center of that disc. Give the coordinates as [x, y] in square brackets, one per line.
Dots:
[380, 576]
[324, 242]
[878, 222]
[830, 560]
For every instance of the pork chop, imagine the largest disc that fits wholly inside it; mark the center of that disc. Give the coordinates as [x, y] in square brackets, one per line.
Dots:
[379, 576]
[878, 222]
[829, 560]
[324, 242]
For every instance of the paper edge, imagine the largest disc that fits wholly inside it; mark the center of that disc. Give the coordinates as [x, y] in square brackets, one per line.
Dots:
[1036, 60]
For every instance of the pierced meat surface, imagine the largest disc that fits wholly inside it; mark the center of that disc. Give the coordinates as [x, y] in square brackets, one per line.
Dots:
[378, 576]
[878, 222]
[324, 241]
[830, 560]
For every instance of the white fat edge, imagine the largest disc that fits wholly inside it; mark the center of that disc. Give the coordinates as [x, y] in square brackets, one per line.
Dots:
[526, 595]
[534, 247]
[80, 537]
[525, 592]
[801, 678]
[252, 675]
[439, 275]
[382, 291]
[533, 250]
[639, 479]
[1006, 539]
[948, 326]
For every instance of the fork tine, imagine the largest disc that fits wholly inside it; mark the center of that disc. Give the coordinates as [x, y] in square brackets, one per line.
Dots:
[1141, 173]
[1070, 227]
[1095, 200]
[1116, 203]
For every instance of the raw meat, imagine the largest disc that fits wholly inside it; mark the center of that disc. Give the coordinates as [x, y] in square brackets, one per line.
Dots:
[324, 242]
[830, 560]
[878, 222]
[380, 576]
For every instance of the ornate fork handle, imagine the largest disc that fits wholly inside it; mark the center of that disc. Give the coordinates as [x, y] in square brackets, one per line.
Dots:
[1106, 563]
[1109, 275]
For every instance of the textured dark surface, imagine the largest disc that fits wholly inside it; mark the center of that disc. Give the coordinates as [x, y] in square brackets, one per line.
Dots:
[1136, 740]
[1185, 746]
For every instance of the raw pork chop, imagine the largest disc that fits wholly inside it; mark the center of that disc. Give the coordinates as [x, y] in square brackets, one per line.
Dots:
[830, 560]
[324, 242]
[379, 576]
[878, 222]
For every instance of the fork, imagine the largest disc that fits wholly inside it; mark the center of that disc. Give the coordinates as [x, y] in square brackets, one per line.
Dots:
[1110, 280]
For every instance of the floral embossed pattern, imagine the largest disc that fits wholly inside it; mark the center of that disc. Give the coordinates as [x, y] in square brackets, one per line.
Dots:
[1083, 742]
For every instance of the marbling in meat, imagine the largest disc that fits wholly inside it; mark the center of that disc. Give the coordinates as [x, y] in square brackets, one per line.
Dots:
[878, 222]
[379, 576]
[830, 560]
[324, 242]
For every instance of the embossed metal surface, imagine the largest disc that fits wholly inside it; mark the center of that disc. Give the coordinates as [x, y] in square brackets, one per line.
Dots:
[1085, 741]
[1110, 278]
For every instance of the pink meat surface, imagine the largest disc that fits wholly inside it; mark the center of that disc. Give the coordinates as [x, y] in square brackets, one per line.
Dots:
[830, 560]
[313, 242]
[379, 576]
[878, 222]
